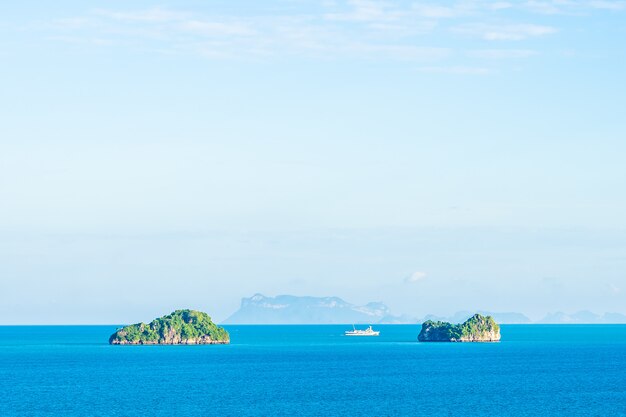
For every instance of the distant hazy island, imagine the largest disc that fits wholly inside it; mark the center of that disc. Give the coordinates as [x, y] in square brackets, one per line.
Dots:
[500, 317]
[290, 309]
[182, 327]
[477, 328]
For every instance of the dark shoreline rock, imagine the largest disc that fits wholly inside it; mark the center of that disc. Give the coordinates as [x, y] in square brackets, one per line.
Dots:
[182, 327]
[477, 328]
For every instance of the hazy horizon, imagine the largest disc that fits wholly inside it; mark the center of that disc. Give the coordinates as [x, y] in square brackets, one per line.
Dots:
[436, 157]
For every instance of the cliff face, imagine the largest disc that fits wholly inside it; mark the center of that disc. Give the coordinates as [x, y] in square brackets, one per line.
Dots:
[486, 336]
[477, 328]
[182, 327]
[172, 338]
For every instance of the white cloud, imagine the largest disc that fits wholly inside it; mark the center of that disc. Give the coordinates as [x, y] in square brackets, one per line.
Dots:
[608, 5]
[365, 29]
[404, 29]
[208, 28]
[407, 52]
[568, 7]
[415, 277]
[257, 37]
[82, 40]
[545, 7]
[458, 70]
[367, 11]
[436, 11]
[501, 53]
[510, 32]
[501, 5]
[156, 14]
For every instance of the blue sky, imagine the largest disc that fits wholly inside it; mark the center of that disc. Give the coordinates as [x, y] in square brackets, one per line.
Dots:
[164, 155]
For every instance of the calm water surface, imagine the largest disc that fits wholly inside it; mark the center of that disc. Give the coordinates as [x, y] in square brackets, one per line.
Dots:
[566, 370]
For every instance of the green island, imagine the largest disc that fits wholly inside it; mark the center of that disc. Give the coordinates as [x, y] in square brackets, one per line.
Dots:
[182, 327]
[477, 328]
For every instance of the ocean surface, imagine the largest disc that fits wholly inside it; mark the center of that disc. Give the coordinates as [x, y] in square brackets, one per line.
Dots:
[536, 370]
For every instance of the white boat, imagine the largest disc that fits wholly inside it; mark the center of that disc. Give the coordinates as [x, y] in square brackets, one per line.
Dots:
[367, 332]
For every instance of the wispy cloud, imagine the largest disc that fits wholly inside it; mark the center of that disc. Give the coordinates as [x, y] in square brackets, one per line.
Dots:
[362, 29]
[501, 5]
[221, 37]
[367, 11]
[501, 53]
[614, 289]
[213, 28]
[410, 53]
[155, 14]
[415, 277]
[608, 5]
[458, 70]
[546, 7]
[509, 32]
[569, 7]
[438, 12]
[81, 40]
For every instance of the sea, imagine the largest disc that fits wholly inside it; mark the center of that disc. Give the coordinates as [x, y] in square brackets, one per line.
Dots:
[310, 370]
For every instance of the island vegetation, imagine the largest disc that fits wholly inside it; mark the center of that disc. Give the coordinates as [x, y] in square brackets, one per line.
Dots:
[182, 327]
[477, 328]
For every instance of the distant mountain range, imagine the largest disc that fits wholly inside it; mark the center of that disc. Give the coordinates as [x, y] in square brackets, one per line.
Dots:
[503, 318]
[290, 309]
[583, 317]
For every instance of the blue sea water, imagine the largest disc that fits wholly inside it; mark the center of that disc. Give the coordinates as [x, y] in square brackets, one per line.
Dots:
[536, 370]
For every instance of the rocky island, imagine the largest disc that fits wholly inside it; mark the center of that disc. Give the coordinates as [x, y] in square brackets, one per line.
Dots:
[477, 328]
[182, 327]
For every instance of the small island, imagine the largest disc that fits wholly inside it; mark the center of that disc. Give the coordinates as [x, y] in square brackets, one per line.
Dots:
[477, 328]
[182, 327]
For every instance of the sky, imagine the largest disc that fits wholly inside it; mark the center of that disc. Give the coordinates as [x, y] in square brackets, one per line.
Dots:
[434, 156]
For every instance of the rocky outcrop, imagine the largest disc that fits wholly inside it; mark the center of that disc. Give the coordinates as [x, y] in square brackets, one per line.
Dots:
[182, 327]
[477, 328]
